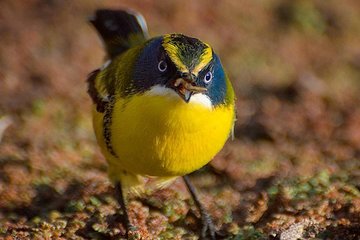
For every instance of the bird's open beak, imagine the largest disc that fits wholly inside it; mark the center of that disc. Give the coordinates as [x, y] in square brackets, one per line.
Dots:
[186, 88]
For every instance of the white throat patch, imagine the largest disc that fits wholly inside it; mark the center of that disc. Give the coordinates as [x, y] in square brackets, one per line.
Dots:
[197, 98]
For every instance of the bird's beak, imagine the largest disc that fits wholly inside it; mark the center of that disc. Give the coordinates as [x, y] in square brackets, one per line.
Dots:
[186, 88]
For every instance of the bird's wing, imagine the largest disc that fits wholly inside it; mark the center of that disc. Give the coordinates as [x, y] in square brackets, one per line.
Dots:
[98, 99]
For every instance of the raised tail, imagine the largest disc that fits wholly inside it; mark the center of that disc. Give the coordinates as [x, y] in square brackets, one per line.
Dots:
[119, 29]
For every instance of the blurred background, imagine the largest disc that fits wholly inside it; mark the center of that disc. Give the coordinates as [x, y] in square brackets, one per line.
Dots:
[295, 66]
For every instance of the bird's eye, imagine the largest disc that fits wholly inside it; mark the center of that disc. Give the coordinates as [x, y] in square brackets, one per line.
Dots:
[162, 66]
[208, 77]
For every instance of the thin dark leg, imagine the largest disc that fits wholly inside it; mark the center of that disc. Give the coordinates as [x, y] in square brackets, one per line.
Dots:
[120, 198]
[208, 226]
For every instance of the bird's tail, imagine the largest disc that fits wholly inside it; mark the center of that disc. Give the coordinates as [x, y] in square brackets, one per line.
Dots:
[119, 29]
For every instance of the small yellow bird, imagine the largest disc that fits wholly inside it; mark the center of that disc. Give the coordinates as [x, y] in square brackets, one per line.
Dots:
[163, 106]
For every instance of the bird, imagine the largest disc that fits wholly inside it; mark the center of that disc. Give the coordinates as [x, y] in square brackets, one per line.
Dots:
[163, 107]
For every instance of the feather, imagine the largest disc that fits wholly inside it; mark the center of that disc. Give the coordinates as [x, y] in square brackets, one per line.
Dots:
[119, 29]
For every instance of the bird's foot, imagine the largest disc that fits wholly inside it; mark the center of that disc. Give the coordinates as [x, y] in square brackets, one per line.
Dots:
[208, 229]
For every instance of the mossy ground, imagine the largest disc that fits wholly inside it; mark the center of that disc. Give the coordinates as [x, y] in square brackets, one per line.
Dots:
[292, 171]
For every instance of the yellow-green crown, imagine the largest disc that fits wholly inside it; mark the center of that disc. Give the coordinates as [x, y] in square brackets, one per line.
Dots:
[188, 54]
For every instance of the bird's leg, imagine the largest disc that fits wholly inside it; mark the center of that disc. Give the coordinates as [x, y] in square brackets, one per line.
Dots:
[207, 224]
[120, 198]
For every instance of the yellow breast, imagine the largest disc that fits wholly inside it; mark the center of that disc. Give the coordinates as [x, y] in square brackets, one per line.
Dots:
[161, 135]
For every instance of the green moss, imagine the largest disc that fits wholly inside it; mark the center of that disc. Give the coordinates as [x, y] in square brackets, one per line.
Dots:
[248, 233]
[173, 210]
[3, 229]
[95, 201]
[75, 206]
[101, 228]
[42, 180]
[36, 220]
[174, 233]
[302, 188]
[308, 18]
[38, 107]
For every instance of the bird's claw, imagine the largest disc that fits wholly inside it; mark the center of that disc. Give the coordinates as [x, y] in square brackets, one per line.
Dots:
[208, 229]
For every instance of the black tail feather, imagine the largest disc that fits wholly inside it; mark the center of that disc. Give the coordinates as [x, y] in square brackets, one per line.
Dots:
[119, 29]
